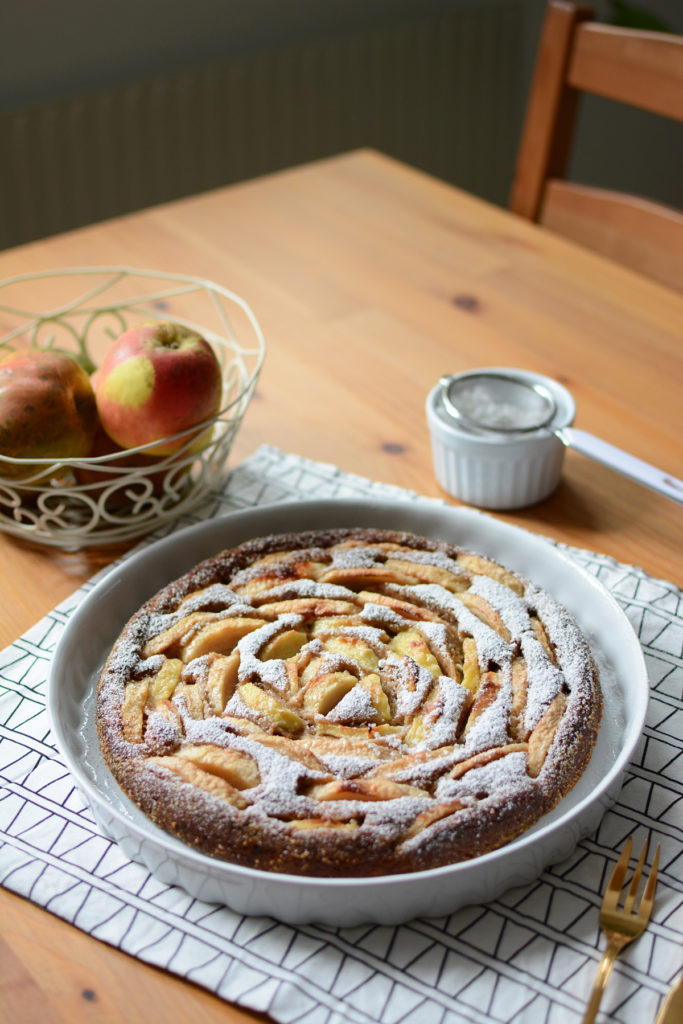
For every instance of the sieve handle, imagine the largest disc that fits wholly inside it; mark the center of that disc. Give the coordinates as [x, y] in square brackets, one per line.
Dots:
[622, 462]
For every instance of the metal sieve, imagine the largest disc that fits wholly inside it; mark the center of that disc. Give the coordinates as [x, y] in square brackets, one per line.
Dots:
[495, 403]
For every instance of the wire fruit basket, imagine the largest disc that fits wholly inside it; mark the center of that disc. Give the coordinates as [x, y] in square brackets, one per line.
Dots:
[106, 498]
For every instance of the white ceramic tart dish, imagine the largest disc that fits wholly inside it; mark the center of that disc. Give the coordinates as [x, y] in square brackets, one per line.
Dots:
[333, 696]
[348, 702]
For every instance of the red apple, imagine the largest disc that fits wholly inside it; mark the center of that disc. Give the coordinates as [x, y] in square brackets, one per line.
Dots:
[156, 380]
[103, 475]
[47, 409]
[100, 476]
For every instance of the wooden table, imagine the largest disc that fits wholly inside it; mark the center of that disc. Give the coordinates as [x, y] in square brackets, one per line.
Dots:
[370, 280]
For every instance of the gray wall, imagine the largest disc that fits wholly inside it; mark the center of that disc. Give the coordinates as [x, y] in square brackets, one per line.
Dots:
[51, 48]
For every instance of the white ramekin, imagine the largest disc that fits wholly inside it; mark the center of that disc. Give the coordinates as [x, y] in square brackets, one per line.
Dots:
[494, 470]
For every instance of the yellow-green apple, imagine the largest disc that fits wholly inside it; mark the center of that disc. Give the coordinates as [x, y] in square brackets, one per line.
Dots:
[47, 409]
[156, 380]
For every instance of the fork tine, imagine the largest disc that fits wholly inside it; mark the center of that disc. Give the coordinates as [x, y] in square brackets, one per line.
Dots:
[613, 890]
[648, 899]
[635, 881]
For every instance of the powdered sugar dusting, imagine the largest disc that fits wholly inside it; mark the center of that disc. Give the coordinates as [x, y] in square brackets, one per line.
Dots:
[218, 596]
[361, 557]
[443, 720]
[162, 734]
[271, 672]
[374, 638]
[435, 558]
[544, 681]
[347, 766]
[354, 708]
[333, 772]
[410, 684]
[437, 635]
[506, 774]
[569, 642]
[305, 588]
[490, 645]
[383, 615]
[491, 729]
[510, 606]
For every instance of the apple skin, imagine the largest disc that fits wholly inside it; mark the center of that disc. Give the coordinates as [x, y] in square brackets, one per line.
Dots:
[156, 380]
[47, 409]
[96, 480]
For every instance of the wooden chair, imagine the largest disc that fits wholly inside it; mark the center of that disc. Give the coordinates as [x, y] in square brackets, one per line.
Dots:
[642, 69]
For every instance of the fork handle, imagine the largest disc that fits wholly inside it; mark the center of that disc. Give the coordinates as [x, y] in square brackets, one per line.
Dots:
[614, 946]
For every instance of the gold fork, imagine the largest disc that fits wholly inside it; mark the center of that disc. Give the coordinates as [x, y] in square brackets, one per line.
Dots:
[622, 926]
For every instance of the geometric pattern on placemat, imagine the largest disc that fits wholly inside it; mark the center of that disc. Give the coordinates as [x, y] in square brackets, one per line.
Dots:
[529, 957]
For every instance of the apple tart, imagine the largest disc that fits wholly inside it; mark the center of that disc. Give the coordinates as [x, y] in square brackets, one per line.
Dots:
[348, 702]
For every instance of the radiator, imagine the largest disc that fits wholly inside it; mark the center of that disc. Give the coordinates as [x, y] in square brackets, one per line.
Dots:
[441, 92]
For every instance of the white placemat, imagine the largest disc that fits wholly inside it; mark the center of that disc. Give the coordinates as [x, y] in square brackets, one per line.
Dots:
[527, 957]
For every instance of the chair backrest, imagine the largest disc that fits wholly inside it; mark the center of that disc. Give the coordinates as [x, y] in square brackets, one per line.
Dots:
[641, 69]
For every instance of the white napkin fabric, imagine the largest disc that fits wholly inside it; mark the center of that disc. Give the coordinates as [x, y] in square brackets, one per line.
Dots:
[529, 957]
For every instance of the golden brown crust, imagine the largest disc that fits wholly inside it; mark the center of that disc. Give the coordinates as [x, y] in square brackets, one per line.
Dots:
[348, 702]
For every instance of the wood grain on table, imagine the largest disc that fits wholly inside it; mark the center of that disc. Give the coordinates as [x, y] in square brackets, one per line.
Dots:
[370, 281]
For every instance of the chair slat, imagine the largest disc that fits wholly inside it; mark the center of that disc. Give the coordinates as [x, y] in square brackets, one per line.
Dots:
[638, 233]
[549, 120]
[639, 69]
[644, 70]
